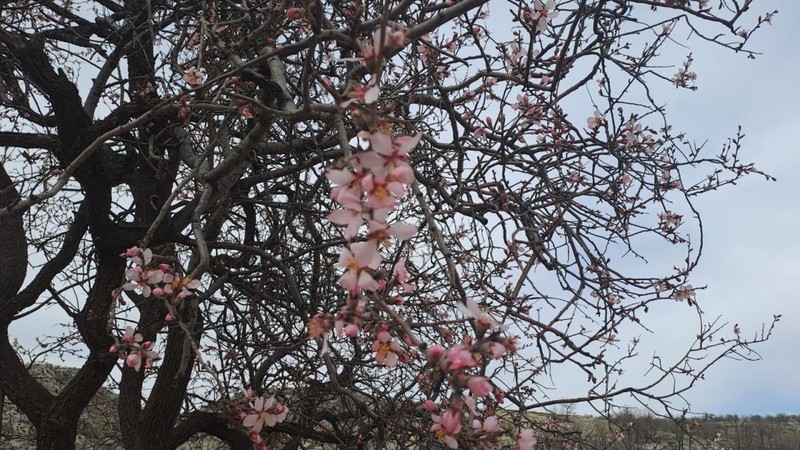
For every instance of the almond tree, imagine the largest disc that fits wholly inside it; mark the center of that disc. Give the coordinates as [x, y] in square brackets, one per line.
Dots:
[356, 224]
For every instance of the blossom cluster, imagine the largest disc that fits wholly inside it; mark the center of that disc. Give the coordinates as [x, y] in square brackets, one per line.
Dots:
[131, 348]
[149, 279]
[255, 412]
[684, 77]
[368, 187]
[637, 137]
[540, 15]
[158, 280]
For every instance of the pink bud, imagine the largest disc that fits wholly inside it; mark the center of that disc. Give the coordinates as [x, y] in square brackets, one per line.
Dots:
[490, 425]
[113, 349]
[294, 13]
[133, 361]
[429, 405]
[169, 317]
[351, 330]
[435, 352]
[255, 437]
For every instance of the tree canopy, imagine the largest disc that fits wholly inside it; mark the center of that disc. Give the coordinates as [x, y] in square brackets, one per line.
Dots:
[354, 224]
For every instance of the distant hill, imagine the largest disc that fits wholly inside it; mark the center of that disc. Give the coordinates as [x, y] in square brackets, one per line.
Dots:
[98, 428]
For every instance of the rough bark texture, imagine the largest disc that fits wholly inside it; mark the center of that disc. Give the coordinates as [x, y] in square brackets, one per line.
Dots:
[13, 242]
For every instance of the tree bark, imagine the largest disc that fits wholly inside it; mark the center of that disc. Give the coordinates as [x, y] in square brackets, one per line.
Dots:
[14, 248]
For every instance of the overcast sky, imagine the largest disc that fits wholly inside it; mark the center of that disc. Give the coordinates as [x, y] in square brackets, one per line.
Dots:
[751, 257]
[751, 261]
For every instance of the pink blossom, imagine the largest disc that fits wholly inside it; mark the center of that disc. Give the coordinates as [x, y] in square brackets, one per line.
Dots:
[265, 412]
[472, 310]
[348, 191]
[346, 180]
[366, 94]
[390, 37]
[369, 52]
[193, 40]
[255, 437]
[130, 337]
[458, 358]
[516, 57]
[347, 196]
[682, 293]
[182, 285]
[357, 260]
[490, 425]
[245, 112]
[380, 232]
[143, 278]
[134, 361]
[526, 439]
[342, 177]
[133, 351]
[318, 325]
[350, 330]
[138, 256]
[670, 221]
[447, 425]
[381, 192]
[594, 121]
[436, 352]
[403, 174]
[496, 350]
[404, 144]
[403, 231]
[387, 350]
[194, 77]
[351, 218]
[531, 112]
[479, 386]
[541, 14]
[294, 14]
[401, 276]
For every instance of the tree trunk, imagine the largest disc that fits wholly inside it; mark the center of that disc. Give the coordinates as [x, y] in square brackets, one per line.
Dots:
[56, 433]
[14, 248]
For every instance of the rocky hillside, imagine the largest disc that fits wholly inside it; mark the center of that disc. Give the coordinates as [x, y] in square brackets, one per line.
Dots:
[98, 427]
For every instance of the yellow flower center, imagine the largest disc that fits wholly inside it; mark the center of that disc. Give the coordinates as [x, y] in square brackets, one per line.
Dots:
[380, 193]
[383, 349]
